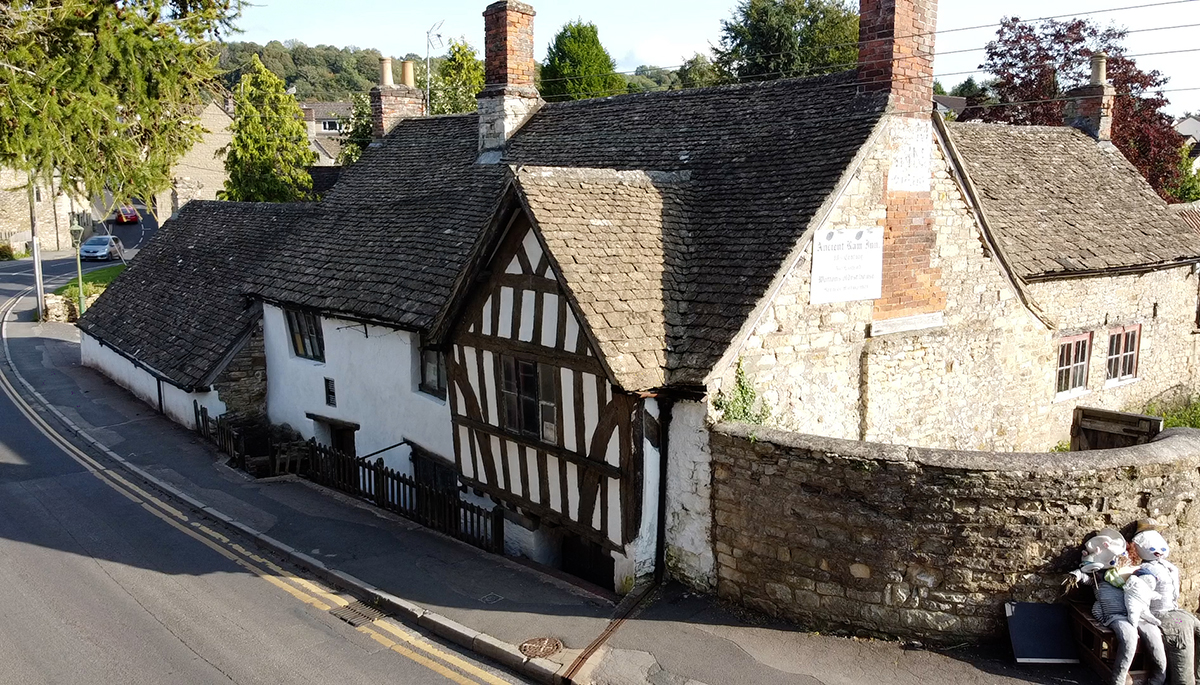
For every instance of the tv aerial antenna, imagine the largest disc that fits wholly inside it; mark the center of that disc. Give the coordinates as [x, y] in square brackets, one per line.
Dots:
[433, 41]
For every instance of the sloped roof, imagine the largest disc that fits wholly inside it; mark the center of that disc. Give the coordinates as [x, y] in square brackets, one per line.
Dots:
[179, 308]
[615, 237]
[1190, 213]
[390, 239]
[1060, 204]
[330, 110]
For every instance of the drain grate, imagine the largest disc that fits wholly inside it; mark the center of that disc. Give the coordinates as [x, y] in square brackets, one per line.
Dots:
[357, 614]
[541, 647]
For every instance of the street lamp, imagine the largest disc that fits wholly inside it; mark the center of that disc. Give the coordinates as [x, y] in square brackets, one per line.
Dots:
[77, 242]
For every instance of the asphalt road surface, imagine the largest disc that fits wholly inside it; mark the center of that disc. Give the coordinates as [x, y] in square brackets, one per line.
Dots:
[103, 580]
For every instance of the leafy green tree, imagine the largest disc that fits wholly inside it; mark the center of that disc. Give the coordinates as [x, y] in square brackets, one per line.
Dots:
[649, 78]
[769, 39]
[357, 131]
[1187, 188]
[105, 95]
[459, 79]
[269, 156]
[938, 88]
[578, 67]
[698, 72]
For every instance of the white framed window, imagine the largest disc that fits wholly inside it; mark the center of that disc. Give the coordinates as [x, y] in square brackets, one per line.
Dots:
[1123, 346]
[331, 125]
[1073, 354]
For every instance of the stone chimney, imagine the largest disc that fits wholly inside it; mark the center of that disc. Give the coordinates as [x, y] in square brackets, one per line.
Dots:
[1090, 108]
[509, 97]
[895, 52]
[310, 120]
[895, 56]
[390, 103]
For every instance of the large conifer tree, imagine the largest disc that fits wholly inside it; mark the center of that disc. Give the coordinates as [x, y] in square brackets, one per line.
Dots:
[578, 67]
[769, 39]
[269, 156]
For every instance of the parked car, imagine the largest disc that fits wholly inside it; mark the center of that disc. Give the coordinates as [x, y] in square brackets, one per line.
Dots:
[103, 247]
[127, 214]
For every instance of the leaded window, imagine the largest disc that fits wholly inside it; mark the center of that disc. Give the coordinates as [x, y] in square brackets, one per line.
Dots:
[529, 398]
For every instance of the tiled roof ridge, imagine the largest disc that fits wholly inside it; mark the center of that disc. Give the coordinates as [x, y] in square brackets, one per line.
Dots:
[1033, 128]
[602, 174]
[848, 76]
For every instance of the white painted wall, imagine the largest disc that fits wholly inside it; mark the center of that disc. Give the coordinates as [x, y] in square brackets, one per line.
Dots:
[177, 404]
[689, 497]
[638, 560]
[376, 373]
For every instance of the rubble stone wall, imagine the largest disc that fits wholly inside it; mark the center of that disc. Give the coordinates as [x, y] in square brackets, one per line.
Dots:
[887, 539]
[242, 386]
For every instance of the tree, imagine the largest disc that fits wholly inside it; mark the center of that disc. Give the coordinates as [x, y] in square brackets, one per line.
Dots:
[357, 131]
[1035, 64]
[698, 72]
[459, 79]
[269, 156]
[938, 88]
[769, 39]
[578, 67]
[105, 95]
[1187, 188]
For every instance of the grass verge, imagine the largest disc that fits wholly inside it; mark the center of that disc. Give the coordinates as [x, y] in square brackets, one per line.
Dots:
[94, 282]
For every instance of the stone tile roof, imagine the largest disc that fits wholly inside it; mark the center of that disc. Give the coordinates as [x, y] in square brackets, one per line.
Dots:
[329, 110]
[614, 236]
[762, 158]
[179, 307]
[1190, 213]
[390, 239]
[1060, 204]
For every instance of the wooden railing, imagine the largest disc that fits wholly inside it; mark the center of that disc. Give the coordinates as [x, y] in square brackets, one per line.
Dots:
[439, 509]
[225, 436]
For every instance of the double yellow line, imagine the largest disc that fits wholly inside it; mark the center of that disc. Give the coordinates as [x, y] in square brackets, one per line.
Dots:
[383, 631]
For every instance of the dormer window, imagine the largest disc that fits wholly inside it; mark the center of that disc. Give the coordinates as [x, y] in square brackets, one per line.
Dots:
[331, 125]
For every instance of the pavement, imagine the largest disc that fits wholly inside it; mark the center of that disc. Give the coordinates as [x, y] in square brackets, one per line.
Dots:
[481, 601]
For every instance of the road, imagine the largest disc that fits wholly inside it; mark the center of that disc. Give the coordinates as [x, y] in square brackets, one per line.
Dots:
[105, 580]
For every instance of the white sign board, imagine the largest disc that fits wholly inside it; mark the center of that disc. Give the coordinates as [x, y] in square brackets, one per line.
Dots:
[847, 265]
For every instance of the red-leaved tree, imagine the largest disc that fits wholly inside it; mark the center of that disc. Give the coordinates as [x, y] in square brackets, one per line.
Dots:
[1035, 64]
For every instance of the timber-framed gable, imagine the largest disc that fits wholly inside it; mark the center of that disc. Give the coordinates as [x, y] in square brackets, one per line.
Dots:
[538, 421]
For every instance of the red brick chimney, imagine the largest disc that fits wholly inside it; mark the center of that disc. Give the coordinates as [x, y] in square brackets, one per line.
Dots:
[895, 56]
[390, 103]
[1090, 108]
[509, 97]
[895, 52]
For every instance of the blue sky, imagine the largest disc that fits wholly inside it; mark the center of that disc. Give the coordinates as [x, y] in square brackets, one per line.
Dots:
[664, 32]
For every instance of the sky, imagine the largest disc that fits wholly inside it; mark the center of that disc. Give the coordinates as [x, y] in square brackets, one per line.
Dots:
[666, 32]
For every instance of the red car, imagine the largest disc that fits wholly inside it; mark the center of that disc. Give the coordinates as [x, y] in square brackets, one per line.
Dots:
[126, 214]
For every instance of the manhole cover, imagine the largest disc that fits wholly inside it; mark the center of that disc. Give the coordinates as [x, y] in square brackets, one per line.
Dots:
[541, 647]
[490, 598]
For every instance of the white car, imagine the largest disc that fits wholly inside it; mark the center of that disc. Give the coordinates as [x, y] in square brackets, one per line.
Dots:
[105, 247]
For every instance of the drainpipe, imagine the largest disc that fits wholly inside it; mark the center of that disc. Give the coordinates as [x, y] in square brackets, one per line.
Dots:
[660, 541]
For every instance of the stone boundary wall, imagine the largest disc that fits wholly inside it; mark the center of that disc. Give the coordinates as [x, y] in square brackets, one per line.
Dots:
[913, 542]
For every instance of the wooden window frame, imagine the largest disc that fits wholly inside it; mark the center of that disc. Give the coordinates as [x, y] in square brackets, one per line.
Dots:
[1124, 352]
[436, 385]
[1076, 369]
[304, 328]
[330, 393]
[529, 398]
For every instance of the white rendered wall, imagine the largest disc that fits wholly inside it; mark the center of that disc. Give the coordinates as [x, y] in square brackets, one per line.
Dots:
[177, 404]
[689, 497]
[638, 560]
[376, 374]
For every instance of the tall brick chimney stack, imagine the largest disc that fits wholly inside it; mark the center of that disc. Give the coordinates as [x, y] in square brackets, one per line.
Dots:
[391, 103]
[509, 97]
[895, 52]
[1090, 108]
[895, 56]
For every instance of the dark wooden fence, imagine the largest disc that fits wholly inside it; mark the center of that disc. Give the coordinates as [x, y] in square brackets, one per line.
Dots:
[437, 508]
[227, 438]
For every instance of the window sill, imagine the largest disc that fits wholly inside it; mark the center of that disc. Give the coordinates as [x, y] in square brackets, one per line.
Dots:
[1120, 382]
[431, 395]
[1071, 395]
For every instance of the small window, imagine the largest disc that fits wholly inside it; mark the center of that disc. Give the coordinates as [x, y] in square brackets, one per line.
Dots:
[1073, 353]
[307, 340]
[529, 398]
[331, 125]
[433, 373]
[37, 194]
[1123, 344]
[330, 393]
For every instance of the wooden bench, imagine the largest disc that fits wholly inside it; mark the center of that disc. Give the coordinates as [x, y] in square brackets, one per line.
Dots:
[1098, 645]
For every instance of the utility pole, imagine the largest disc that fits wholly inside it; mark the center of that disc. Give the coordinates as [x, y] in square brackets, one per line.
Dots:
[37, 252]
[431, 37]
